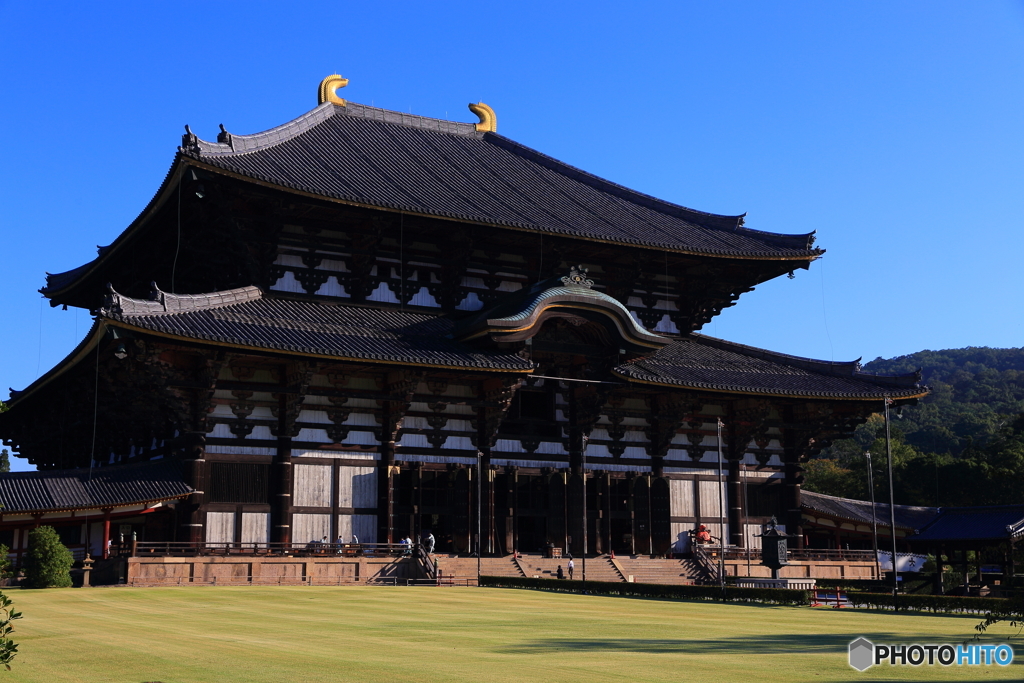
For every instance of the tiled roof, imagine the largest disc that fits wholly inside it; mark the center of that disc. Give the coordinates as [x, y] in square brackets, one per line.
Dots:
[56, 490]
[699, 362]
[386, 159]
[907, 516]
[975, 523]
[242, 318]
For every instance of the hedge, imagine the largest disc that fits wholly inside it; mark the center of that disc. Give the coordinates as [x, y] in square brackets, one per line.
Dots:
[944, 604]
[775, 596]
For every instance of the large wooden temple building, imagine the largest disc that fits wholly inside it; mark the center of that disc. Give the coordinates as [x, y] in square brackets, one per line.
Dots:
[364, 322]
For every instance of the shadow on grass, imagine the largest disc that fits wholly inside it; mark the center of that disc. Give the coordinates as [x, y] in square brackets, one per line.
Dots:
[761, 645]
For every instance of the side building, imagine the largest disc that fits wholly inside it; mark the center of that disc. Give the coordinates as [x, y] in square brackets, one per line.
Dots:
[369, 323]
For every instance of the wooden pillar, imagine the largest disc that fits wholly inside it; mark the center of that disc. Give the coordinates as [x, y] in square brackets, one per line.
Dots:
[335, 500]
[106, 533]
[791, 496]
[281, 504]
[191, 514]
[513, 493]
[385, 490]
[734, 499]
[417, 501]
[486, 488]
[606, 510]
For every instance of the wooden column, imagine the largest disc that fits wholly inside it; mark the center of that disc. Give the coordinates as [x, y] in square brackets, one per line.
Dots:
[281, 502]
[513, 485]
[385, 490]
[734, 499]
[106, 534]
[191, 513]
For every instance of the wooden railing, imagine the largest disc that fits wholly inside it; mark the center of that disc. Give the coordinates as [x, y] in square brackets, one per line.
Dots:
[805, 555]
[185, 548]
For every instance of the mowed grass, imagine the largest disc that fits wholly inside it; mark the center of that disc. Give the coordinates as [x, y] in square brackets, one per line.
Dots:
[426, 634]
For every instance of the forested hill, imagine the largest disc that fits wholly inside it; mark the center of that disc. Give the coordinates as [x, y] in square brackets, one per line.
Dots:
[962, 445]
[974, 390]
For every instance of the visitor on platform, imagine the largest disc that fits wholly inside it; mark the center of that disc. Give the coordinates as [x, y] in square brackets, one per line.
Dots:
[428, 541]
[560, 574]
[340, 544]
[408, 545]
[572, 566]
[703, 535]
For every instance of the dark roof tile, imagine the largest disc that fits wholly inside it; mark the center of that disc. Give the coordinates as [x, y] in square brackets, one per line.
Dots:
[53, 490]
[699, 362]
[244, 318]
[399, 161]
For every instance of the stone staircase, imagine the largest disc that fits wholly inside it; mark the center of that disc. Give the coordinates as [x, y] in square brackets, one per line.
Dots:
[645, 569]
[465, 567]
[642, 568]
[598, 568]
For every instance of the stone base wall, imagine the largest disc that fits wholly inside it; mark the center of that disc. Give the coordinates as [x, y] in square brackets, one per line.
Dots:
[286, 571]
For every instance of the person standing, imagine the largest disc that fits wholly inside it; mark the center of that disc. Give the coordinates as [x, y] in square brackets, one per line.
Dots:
[572, 566]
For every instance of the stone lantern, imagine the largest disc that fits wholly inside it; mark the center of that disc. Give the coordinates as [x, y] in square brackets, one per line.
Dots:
[774, 548]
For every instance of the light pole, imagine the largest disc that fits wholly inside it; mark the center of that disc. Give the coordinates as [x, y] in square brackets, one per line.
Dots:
[874, 519]
[721, 514]
[892, 506]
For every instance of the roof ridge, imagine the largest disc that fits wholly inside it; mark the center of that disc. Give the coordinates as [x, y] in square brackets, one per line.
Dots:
[229, 144]
[165, 303]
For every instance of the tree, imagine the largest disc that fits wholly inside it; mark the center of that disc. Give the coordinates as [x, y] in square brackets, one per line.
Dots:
[48, 562]
[8, 648]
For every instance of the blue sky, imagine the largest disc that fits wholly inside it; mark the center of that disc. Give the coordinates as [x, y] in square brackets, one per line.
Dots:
[892, 129]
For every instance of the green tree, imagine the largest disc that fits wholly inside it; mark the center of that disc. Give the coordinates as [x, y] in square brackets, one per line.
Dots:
[5, 461]
[8, 648]
[48, 562]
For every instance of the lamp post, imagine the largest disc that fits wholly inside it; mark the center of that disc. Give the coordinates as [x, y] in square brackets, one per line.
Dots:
[874, 519]
[892, 506]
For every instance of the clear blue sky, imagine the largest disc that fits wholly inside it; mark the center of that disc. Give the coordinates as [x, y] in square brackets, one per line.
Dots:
[894, 129]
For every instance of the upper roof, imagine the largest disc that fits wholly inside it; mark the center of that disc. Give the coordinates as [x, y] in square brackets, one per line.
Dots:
[244, 318]
[992, 523]
[397, 161]
[102, 487]
[910, 517]
[699, 362]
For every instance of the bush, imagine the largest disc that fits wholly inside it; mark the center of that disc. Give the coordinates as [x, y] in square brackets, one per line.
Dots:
[945, 604]
[48, 562]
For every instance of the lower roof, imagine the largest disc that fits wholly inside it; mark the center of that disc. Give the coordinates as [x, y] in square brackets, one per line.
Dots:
[245, 318]
[991, 523]
[908, 517]
[705, 363]
[92, 489]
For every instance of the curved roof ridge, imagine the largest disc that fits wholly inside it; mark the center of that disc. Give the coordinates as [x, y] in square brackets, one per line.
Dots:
[165, 303]
[231, 144]
[839, 368]
[228, 143]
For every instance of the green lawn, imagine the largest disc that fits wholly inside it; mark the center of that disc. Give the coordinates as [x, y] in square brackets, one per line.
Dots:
[427, 634]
